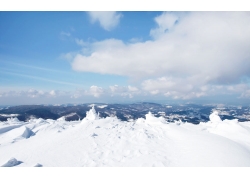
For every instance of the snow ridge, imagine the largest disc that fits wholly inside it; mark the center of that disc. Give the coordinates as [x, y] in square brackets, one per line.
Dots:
[149, 141]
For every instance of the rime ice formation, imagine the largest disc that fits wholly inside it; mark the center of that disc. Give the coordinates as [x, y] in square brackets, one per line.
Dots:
[150, 118]
[61, 118]
[13, 120]
[109, 141]
[91, 114]
[214, 117]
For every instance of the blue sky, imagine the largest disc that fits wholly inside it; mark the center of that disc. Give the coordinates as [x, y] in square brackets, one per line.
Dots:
[77, 57]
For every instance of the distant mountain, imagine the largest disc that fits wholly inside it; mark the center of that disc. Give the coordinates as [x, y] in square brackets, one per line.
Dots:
[192, 113]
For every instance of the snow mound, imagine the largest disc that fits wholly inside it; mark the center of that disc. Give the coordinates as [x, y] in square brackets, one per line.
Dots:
[21, 132]
[38, 165]
[37, 121]
[61, 118]
[13, 120]
[91, 114]
[150, 118]
[26, 132]
[12, 162]
[214, 117]
[233, 130]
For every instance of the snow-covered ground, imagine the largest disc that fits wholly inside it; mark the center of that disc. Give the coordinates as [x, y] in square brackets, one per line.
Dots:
[148, 141]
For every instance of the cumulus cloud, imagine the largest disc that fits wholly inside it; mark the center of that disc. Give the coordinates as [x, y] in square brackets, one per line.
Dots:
[165, 23]
[212, 44]
[194, 50]
[52, 93]
[124, 91]
[96, 91]
[178, 88]
[108, 19]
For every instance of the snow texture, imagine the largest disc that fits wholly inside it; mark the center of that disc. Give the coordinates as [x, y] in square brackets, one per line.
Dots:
[149, 141]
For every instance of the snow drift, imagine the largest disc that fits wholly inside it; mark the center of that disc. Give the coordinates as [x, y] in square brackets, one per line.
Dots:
[149, 141]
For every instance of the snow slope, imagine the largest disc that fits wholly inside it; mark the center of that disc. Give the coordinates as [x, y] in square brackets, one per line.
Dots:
[96, 141]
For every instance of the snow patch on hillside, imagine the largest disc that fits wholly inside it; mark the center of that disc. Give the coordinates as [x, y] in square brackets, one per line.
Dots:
[102, 106]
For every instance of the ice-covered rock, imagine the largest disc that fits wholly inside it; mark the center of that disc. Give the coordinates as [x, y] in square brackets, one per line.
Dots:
[26, 132]
[38, 165]
[12, 162]
[150, 118]
[91, 114]
[20, 133]
[61, 118]
[214, 117]
[13, 120]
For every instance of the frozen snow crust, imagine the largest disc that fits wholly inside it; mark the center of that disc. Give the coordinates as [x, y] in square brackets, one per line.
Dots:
[148, 141]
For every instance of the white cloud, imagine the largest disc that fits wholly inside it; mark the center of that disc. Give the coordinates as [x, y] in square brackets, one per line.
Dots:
[108, 19]
[245, 94]
[33, 93]
[205, 49]
[80, 42]
[214, 45]
[52, 93]
[133, 89]
[177, 88]
[96, 91]
[165, 23]
[161, 88]
[65, 34]
[68, 56]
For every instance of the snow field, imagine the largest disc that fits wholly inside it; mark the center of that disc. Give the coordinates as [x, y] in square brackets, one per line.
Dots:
[96, 141]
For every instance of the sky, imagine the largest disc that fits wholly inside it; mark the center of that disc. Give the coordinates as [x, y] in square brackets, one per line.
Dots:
[126, 56]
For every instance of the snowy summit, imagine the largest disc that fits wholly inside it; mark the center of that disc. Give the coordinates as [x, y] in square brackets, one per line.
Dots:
[96, 141]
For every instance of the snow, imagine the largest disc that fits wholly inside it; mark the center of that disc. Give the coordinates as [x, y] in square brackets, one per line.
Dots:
[13, 120]
[9, 115]
[91, 114]
[102, 106]
[149, 141]
[214, 117]
[12, 162]
[61, 118]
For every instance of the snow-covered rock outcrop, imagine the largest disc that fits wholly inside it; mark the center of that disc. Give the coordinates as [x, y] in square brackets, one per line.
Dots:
[12, 162]
[61, 119]
[13, 120]
[214, 117]
[91, 114]
[150, 118]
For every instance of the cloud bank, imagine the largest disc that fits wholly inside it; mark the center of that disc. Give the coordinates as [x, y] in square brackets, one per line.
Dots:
[189, 54]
